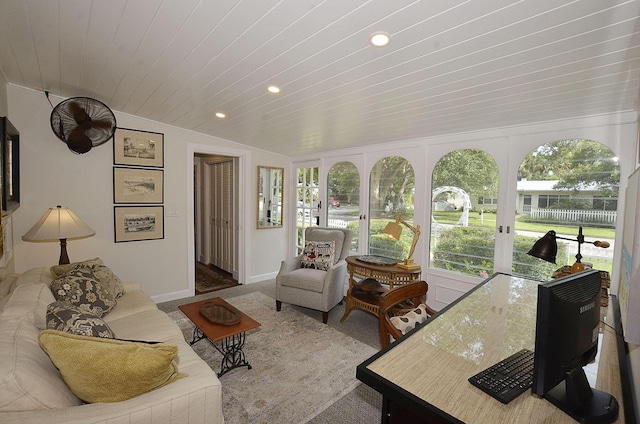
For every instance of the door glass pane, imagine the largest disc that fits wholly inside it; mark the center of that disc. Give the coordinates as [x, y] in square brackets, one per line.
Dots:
[343, 199]
[562, 186]
[307, 203]
[464, 201]
[391, 191]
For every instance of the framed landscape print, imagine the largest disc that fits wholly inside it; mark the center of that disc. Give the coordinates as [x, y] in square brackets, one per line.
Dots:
[136, 223]
[136, 185]
[138, 148]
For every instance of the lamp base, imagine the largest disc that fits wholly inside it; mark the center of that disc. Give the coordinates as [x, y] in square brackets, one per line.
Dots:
[64, 257]
[409, 264]
[577, 267]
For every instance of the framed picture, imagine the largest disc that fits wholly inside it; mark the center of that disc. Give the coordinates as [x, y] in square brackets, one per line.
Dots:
[10, 164]
[136, 185]
[138, 148]
[136, 223]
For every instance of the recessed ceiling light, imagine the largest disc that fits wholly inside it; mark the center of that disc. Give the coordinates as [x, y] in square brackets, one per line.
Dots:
[273, 89]
[220, 115]
[380, 39]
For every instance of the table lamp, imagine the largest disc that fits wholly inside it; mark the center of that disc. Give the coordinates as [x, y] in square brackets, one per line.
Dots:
[62, 224]
[546, 248]
[393, 230]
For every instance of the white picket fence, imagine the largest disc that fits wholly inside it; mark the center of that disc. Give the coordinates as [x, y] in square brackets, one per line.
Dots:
[575, 215]
[337, 223]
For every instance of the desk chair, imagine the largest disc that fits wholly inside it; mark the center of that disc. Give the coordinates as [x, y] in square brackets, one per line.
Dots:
[396, 316]
[315, 288]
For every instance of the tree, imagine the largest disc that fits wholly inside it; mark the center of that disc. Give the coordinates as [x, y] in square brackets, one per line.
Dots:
[472, 170]
[343, 179]
[577, 165]
[392, 180]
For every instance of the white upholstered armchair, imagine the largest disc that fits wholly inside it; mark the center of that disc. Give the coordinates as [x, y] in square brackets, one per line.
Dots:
[310, 287]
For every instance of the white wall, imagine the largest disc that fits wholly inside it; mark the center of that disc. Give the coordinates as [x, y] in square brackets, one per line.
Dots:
[51, 174]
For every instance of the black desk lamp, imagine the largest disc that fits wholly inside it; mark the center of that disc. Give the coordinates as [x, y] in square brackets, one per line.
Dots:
[546, 248]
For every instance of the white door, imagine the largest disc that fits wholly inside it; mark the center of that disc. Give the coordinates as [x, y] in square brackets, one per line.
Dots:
[222, 200]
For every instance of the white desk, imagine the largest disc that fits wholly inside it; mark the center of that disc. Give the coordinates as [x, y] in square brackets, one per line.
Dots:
[425, 374]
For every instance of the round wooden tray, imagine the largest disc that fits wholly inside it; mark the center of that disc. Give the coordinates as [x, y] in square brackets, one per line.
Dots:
[218, 313]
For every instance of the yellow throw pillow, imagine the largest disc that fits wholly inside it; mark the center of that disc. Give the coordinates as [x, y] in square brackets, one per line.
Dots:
[110, 370]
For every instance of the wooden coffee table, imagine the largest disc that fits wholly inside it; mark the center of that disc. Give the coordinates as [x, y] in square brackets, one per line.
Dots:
[231, 337]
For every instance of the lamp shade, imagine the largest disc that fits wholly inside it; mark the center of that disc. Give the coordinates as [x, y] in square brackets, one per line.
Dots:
[546, 248]
[56, 224]
[393, 230]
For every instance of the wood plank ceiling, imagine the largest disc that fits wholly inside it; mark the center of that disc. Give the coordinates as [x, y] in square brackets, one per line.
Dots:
[452, 66]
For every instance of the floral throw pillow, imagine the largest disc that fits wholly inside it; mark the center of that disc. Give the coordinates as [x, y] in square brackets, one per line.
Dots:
[83, 290]
[63, 316]
[318, 255]
[103, 274]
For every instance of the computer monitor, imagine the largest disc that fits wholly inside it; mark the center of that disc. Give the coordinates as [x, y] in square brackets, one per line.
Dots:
[567, 328]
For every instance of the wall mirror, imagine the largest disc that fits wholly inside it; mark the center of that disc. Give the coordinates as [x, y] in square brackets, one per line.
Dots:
[270, 196]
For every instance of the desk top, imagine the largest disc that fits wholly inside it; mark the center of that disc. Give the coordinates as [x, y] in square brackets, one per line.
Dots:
[427, 370]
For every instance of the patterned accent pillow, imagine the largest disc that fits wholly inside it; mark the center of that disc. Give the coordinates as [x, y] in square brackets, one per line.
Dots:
[410, 320]
[104, 275]
[82, 289]
[63, 316]
[318, 255]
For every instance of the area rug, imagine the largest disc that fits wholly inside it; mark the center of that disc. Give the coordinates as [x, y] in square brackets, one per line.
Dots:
[207, 280]
[299, 365]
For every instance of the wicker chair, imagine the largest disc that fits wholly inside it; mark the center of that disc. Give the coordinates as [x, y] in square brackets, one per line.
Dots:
[400, 303]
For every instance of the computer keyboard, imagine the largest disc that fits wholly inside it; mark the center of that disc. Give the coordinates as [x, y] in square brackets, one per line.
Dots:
[507, 379]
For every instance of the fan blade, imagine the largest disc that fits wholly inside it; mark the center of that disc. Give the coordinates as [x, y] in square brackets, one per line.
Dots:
[80, 115]
[78, 141]
[103, 124]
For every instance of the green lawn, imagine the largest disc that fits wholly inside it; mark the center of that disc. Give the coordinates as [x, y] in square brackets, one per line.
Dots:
[489, 220]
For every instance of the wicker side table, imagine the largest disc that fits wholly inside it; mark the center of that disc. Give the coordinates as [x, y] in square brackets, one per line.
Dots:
[387, 275]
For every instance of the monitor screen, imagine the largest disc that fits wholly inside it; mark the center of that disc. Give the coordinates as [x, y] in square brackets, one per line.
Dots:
[567, 328]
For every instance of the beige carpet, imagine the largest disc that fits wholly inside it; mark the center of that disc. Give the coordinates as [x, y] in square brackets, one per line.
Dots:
[300, 366]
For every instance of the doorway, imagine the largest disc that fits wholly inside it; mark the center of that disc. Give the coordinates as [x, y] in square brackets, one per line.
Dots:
[216, 194]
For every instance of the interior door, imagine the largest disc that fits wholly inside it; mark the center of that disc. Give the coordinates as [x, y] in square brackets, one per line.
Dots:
[222, 200]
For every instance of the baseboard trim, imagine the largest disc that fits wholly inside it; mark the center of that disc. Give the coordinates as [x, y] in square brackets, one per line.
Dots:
[172, 296]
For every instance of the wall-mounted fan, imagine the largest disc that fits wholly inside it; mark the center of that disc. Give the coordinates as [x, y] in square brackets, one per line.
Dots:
[82, 123]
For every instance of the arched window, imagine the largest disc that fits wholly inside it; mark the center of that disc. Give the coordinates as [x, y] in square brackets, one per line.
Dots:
[464, 200]
[562, 186]
[391, 193]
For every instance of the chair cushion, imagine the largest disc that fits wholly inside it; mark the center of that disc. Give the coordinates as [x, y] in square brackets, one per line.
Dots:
[305, 279]
[318, 255]
[407, 322]
[107, 370]
[337, 236]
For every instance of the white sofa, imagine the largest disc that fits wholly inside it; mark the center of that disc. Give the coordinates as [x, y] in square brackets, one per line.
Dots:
[33, 391]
